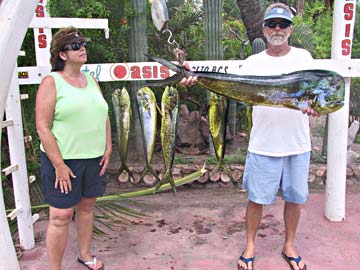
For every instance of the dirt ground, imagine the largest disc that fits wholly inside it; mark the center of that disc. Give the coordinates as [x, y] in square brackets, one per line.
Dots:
[204, 229]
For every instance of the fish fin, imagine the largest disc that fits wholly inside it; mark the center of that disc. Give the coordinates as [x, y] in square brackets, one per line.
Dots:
[168, 81]
[159, 109]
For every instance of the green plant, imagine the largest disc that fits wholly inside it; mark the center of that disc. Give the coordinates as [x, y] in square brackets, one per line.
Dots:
[357, 138]
[183, 160]
[238, 158]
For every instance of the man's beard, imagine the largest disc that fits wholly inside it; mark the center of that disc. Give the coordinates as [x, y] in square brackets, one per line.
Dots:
[277, 38]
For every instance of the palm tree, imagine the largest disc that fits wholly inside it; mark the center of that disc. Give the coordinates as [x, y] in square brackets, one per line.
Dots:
[251, 15]
[137, 47]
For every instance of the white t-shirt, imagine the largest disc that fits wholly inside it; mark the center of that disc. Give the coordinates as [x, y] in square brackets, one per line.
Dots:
[280, 131]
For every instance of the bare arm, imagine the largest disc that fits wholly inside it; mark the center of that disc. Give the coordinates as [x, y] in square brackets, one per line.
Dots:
[45, 107]
[105, 160]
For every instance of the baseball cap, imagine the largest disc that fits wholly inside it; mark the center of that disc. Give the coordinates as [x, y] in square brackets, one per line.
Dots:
[75, 37]
[278, 13]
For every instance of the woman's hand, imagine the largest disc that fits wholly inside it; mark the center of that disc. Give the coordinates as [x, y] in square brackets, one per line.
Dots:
[104, 162]
[63, 178]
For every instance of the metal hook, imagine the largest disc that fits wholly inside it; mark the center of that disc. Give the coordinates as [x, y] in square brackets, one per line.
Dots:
[171, 42]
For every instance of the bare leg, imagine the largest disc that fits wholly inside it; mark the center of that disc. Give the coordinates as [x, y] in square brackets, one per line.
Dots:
[253, 218]
[84, 219]
[56, 236]
[291, 217]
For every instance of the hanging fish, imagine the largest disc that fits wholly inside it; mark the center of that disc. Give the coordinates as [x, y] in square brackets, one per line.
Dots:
[159, 14]
[321, 90]
[218, 112]
[122, 111]
[169, 123]
[148, 120]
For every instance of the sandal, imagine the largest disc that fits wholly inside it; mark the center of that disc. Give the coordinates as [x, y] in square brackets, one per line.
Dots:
[292, 259]
[246, 261]
[93, 262]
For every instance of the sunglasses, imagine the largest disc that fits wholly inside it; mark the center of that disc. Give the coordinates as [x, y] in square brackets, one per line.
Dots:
[75, 46]
[273, 24]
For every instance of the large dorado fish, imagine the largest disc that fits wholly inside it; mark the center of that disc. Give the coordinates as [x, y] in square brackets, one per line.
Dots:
[148, 120]
[169, 123]
[122, 111]
[218, 112]
[321, 90]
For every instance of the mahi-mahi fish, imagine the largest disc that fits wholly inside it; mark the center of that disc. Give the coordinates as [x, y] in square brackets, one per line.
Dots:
[122, 111]
[321, 90]
[218, 112]
[148, 120]
[169, 123]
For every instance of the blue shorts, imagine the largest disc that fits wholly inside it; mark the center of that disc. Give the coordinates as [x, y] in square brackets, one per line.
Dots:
[264, 175]
[88, 183]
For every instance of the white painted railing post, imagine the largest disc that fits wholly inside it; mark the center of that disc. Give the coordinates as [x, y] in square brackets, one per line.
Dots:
[343, 27]
[8, 259]
[17, 156]
[15, 16]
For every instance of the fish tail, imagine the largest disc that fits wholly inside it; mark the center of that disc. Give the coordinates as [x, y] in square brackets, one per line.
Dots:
[172, 184]
[162, 181]
[221, 167]
[149, 169]
[124, 167]
[144, 172]
[167, 178]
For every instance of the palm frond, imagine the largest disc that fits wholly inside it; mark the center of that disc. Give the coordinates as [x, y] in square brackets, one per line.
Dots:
[110, 209]
[302, 37]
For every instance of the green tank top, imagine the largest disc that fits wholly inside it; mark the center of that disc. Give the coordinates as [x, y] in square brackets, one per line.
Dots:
[79, 124]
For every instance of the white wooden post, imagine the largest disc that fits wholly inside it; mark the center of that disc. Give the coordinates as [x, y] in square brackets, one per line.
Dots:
[17, 156]
[42, 36]
[15, 16]
[343, 27]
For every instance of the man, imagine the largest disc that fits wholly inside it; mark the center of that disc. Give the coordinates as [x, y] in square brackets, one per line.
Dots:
[279, 146]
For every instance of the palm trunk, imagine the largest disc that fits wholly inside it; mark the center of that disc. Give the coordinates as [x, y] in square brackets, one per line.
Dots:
[300, 7]
[137, 47]
[213, 36]
[252, 17]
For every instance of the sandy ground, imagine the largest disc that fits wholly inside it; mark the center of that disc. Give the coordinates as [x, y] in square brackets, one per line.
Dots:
[204, 228]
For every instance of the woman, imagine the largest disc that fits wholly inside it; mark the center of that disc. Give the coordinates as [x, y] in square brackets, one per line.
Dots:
[74, 129]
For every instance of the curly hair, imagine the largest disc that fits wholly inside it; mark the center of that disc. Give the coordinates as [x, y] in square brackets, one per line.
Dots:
[63, 37]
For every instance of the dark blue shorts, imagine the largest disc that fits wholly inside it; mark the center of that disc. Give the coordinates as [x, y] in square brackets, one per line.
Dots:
[88, 183]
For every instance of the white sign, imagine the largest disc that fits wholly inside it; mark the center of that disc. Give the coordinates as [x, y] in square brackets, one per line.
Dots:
[42, 36]
[155, 71]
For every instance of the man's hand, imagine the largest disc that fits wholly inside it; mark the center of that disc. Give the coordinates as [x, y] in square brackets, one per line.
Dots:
[311, 112]
[189, 81]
